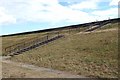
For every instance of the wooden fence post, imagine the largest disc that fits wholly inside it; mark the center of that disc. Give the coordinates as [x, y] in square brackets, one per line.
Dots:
[69, 30]
[58, 33]
[47, 36]
[10, 50]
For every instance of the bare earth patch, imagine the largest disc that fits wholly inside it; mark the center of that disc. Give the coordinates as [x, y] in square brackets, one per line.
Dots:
[21, 70]
[92, 54]
[99, 31]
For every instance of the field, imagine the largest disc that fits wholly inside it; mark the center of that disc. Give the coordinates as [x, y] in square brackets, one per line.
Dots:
[92, 55]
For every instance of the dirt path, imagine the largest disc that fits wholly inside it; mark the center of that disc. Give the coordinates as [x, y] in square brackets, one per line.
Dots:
[22, 70]
[98, 31]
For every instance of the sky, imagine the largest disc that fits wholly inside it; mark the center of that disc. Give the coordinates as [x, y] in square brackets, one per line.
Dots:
[18, 16]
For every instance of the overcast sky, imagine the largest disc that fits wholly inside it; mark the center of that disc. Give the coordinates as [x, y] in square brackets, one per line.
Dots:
[29, 15]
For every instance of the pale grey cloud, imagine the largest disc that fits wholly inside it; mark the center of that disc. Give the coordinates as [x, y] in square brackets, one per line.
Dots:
[5, 17]
[49, 11]
[114, 2]
[85, 5]
[105, 14]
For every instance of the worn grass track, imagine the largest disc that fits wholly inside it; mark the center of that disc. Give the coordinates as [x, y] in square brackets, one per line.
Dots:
[92, 55]
[12, 69]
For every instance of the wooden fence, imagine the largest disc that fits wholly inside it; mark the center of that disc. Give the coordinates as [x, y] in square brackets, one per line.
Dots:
[36, 41]
[31, 43]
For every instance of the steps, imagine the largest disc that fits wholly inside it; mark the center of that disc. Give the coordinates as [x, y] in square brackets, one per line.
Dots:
[97, 26]
[20, 51]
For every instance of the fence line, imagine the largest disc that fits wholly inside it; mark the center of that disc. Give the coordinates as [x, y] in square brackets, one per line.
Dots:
[31, 42]
[47, 37]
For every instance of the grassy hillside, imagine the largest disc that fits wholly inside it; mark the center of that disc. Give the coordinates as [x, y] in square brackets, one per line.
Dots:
[108, 26]
[12, 40]
[92, 55]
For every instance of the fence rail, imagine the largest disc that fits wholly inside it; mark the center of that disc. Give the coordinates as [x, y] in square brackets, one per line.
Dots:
[48, 37]
[31, 43]
[97, 26]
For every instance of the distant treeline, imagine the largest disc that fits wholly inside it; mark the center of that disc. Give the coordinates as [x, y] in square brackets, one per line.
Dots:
[66, 27]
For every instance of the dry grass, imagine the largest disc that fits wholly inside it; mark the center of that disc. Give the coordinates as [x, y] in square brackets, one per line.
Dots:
[12, 40]
[93, 55]
[7, 41]
[108, 26]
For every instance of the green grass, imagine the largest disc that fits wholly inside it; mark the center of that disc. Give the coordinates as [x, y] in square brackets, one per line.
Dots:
[93, 55]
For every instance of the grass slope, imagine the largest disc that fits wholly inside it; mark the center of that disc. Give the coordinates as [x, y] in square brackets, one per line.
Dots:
[12, 40]
[108, 26]
[93, 55]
